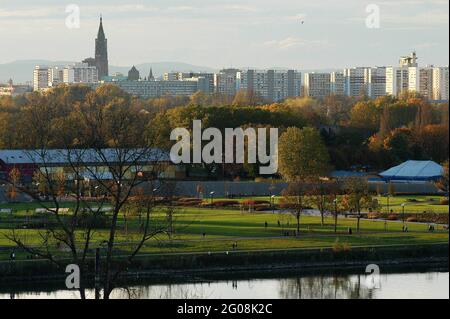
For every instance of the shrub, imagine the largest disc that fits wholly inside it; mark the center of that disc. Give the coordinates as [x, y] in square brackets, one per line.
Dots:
[373, 216]
[226, 203]
[286, 206]
[189, 202]
[444, 201]
[412, 220]
[255, 202]
[392, 217]
[263, 207]
[339, 247]
[182, 200]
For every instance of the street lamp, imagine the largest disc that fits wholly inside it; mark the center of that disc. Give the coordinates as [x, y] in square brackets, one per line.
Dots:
[272, 201]
[389, 203]
[335, 215]
[212, 197]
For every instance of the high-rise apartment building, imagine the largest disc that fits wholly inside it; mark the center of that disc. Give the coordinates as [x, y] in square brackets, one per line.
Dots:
[440, 83]
[317, 85]
[421, 81]
[270, 85]
[225, 82]
[355, 81]
[55, 75]
[41, 78]
[375, 82]
[80, 73]
[397, 80]
[337, 80]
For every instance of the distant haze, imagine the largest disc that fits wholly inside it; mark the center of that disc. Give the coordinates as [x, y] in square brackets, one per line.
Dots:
[22, 71]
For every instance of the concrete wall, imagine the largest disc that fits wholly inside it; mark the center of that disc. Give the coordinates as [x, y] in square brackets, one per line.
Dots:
[223, 189]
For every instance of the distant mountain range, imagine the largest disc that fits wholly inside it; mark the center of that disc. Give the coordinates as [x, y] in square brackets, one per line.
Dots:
[22, 71]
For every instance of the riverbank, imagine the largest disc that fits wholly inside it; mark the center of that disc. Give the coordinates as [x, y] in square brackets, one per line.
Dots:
[157, 267]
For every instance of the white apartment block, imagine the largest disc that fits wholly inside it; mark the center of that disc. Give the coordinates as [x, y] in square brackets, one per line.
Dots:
[171, 76]
[421, 81]
[55, 76]
[203, 76]
[440, 83]
[41, 78]
[80, 73]
[337, 80]
[317, 85]
[355, 81]
[397, 80]
[154, 89]
[375, 82]
[271, 85]
[225, 82]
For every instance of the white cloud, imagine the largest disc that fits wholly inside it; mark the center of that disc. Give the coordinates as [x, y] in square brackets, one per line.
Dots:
[293, 42]
[28, 13]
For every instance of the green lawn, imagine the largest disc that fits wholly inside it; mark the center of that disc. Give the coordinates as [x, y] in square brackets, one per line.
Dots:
[414, 203]
[224, 227]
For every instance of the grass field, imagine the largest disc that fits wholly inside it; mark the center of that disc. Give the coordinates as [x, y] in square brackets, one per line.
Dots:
[414, 204]
[205, 230]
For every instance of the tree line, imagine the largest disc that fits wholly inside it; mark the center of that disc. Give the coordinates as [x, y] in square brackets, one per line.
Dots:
[356, 131]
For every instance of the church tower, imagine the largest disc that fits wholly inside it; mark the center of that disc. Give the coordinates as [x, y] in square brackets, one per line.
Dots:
[101, 52]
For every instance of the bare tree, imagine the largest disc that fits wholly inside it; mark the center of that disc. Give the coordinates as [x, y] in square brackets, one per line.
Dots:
[321, 195]
[295, 198]
[357, 196]
[101, 146]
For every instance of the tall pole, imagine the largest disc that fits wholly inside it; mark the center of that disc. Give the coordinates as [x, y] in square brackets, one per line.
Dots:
[335, 216]
[403, 214]
[97, 273]
[388, 204]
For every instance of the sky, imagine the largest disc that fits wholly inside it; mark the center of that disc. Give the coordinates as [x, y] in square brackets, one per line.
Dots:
[301, 34]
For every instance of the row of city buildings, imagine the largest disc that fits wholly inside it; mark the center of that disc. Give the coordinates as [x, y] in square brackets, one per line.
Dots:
[269, 85]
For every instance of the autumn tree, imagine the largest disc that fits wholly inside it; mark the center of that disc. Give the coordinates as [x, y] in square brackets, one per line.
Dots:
[303, 158]
[15, 178]
[302, 154]
[443, 183]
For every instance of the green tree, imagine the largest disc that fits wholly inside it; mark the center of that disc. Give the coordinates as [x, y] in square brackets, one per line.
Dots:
[302, 154]
[303, 157]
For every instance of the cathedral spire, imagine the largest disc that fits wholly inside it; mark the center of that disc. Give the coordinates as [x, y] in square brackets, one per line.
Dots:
[101, 52]
[101, 32]
[151, 77]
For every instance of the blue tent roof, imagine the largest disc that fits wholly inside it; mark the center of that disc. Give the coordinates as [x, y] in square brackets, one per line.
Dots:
[414, 171]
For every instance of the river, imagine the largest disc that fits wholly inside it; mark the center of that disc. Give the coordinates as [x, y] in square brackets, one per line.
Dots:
[426, 285]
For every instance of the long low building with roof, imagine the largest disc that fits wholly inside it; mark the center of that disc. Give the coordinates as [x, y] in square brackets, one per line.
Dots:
[89, 163]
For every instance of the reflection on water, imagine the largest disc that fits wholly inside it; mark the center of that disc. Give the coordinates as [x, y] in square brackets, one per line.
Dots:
[393, 286]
